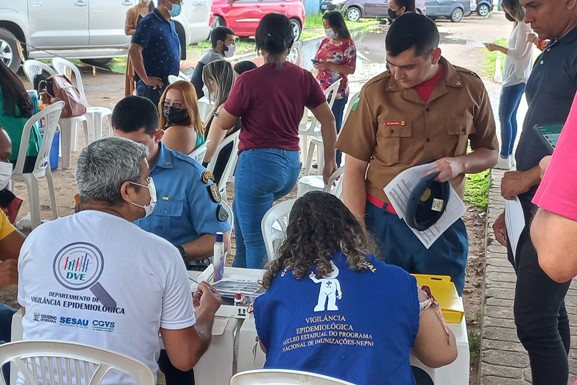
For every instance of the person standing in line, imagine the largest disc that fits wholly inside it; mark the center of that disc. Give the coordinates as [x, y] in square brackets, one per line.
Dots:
[155, 50]
[223, 46]
[421, 108]
[516, 71]
[539, 308]
[336, 58]
[400, 7]
[133, 16]
[269, 160]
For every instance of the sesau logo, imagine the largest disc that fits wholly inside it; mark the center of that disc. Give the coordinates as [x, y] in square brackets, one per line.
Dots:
[74, 322]
[105, 326]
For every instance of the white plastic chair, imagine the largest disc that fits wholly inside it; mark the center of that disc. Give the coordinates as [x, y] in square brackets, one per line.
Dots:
[228, 210]
[96, 114]
[315, 183]
[67, 125]
[181, 76]
[317, 141]
[199, 152]
[274, 224]
[68, 363]
[283, 377]
[230, 164]
[50, 114]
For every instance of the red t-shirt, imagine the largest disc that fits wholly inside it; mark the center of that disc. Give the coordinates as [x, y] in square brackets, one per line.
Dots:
[425, 89]
[271, 105]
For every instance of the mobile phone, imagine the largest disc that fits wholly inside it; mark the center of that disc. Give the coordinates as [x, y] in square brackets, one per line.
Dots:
[315, 61]
[549, 134]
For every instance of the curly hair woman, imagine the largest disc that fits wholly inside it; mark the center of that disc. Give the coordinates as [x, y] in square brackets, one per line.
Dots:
[329, 298]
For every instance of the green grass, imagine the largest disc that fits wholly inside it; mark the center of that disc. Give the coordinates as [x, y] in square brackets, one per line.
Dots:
[477, 189]
[491, 59]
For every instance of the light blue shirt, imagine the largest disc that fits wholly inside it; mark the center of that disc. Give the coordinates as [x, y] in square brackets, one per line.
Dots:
[185, 209]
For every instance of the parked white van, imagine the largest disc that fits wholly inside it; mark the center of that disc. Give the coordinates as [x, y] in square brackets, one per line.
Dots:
[83, 29]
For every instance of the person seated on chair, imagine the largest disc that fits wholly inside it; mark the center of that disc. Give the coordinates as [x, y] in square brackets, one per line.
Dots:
[180, 119]
[356, 306]
[95, 278]
[188, 212]
[219, 78]
[223, 46]
[9, 203]
[243, 66]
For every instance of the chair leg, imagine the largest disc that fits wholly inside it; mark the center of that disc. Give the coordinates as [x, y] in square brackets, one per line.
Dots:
[309, 161]
[320, 157]
[97, 125]
[52, 194]
[34, 196]
[86, 137]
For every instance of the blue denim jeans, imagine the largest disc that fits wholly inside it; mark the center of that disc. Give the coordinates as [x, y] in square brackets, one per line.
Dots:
[148, 92]
[262, 176]
[508, 106]
[338, 110]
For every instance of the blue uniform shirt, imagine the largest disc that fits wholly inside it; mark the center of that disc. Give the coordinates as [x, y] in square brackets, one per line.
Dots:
[160, 43]
[184, 209]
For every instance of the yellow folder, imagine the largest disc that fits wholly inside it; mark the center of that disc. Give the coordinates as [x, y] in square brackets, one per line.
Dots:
[443, 289]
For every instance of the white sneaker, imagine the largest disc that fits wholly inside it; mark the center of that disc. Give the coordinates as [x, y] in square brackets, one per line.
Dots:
[503, 163]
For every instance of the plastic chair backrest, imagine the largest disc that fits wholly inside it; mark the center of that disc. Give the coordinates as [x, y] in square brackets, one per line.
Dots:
[50, 116]
[313, 128]
[62, 66]
[34, 67]
[331, 92]
[350, 104]
[68, 363]
[198, 153]
[274, 224]
[335, 185]
[283, 377]
[231, 163]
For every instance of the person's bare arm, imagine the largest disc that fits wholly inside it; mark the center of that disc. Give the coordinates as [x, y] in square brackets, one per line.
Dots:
[226, 120]
[185, 346]
[555, 239]
[10, 245]
[500, 229]
[135, 53]
[202, 247]
[8, 273]
[514, 183]
[216, 135]
[477, 160]
[354, 189]
[433, 347]
[326, 119]
[340, 68]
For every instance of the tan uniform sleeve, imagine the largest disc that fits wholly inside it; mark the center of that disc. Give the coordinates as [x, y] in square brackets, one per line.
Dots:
[484, 122]
[358, 136]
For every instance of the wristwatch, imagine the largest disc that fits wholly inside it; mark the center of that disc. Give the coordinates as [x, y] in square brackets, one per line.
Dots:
[182, 251]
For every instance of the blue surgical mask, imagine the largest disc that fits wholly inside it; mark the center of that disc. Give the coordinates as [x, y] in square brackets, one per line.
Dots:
[175, 10]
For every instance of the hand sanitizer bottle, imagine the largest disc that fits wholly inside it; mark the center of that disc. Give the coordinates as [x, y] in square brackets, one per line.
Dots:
[218, 257]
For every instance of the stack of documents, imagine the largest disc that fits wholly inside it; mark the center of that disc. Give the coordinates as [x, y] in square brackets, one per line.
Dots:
[443, 289]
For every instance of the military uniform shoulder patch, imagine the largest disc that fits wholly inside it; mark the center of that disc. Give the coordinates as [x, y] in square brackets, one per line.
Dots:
[221, 214]
[214, 193]
[207, 176]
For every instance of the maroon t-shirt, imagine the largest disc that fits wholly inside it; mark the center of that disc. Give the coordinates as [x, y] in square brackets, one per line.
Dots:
[271, 105]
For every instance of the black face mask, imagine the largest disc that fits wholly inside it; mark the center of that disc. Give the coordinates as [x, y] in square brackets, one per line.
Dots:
[175, 115]
[392, 14]
[509, 17]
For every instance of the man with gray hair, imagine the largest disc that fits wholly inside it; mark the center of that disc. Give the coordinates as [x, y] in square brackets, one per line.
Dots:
[96, 278]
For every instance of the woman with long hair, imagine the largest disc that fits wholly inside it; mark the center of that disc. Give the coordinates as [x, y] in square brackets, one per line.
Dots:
[133, 16]
[218, 76]
[328, 297]
[516, 71]
[336, 58]
[270, 101]
[179, 118]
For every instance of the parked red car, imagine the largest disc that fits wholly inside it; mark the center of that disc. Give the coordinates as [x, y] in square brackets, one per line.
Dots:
[243, 16]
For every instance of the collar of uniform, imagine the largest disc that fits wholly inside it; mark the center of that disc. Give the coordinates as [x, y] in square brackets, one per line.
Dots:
[158, 15]
[569, 38]
[451, 78]
[164, 158]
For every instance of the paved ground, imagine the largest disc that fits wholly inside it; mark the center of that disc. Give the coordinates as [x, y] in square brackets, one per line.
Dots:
[504, 361]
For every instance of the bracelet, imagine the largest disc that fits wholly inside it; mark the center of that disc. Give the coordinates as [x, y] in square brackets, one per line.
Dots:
[431, 302]
[181, 251]
[535, 40]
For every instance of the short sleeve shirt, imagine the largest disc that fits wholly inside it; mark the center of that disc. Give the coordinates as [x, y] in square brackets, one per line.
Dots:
[6, 228]
[161, 46]
[343, 53]
[271, 104]
[558, 189]
[394, 129]
[185, 208]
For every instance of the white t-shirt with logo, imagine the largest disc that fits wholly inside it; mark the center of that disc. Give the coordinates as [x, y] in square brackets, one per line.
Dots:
[97, 279]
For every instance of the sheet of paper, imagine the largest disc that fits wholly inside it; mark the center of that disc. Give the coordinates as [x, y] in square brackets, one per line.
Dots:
[515, 222]
[399, 190]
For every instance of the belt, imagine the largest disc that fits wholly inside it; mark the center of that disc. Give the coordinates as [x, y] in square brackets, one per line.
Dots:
[381, 204]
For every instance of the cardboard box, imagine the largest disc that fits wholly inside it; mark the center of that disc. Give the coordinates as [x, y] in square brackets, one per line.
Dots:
[250, 356]
[443, 289]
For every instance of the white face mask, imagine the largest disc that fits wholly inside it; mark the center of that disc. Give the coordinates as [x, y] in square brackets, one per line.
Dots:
[205, 92]
[149, 208]
[231, 50]
[330, 34]
[5, 174]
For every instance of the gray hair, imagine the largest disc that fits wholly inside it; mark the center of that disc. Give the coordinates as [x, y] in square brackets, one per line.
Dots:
[105, 164]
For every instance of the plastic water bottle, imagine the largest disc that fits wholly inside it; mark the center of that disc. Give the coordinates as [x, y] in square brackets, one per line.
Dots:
[218, 257]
